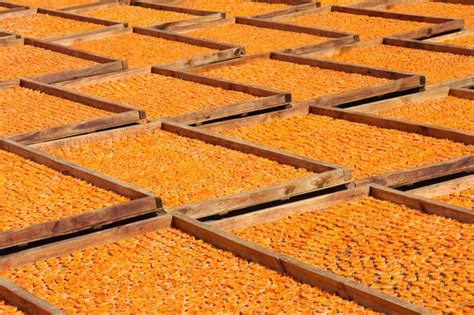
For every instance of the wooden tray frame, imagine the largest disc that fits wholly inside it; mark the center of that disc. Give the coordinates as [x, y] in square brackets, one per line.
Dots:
[442, 186]
[108, 25]
[392, 179]
[202, 16]
[267, 99]
[105, 65]
[388, 4]
[434, 130]
[295, 4]
[123, 115]
[440, 39]
[335, 39]
[326, 174]
[440, 25]
[407, 43]
[25, 301]
[141, 201]
[302, 272]
[224, 51]
[399, 81]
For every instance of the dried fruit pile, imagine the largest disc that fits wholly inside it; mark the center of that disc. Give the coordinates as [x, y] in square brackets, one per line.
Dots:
[138, 16]
[304, 82]
[366, 150]
[450, 111]
[435, 8]
[421, 258]
[179, 169]
[18, 61]
[7, 309]
[436, 66]
[23, 110]
[33, 193]
[467, 41]
[365, 26]
[187, 96]
[42, 26]
[257, 39]
[53, 4]
[140, 50]
[463, 198]
[169, 272]
[233, 7]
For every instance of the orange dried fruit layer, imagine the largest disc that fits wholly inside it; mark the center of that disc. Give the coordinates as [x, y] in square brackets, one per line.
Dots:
[367, 27]
[302, 81]
[423, 259]
[436, 66]
[7, 309]
[180, 170]
[158, 102]
[233, 7]
[450, 111]
[42, 26]
[140, 50]
[257, 39]
[53, 4]
[463, 198]
[33, 193]
[366, 150]
[435, 8]
[467, 41]
[24, 110]
[171, 272]
[138, 16]
[18, 61]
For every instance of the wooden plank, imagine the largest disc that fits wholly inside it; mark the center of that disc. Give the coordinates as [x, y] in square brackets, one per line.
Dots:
[445, 187]
[273, 214]
[25, 301]
[438, 47]
[423, 204]
[78, 243]
[469, 31]
[397, 124]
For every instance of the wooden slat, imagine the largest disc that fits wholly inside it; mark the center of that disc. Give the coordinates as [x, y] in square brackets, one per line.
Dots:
[445, 187]
[424, 204]
[26, 301]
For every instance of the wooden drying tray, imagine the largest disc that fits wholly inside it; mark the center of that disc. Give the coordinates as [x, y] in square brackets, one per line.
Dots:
[327, 281]
[432, 130]
[224, 51]
[326, 175]
[399, 81]
[266, 98]
[407, 43]
[339, 198]
[104, 65]
[335, 39]
[107, 25]
[201, 15]
[439, 25]
[295, 4]
[122, 114]
[141, 201]
[440, 39]
[392, 179]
